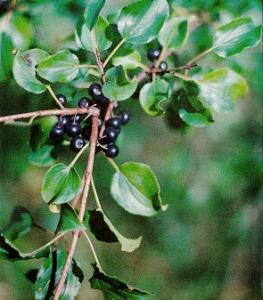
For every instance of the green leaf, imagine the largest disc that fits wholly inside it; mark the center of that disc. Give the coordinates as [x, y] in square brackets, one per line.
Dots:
[235, 36]
[103, 230]
[89, 40]
[49, 275]
[117, 86]
[152, 95]
[115, 289]
[69, 219]
[174, 33]
[19, 224]
[42, 157]
[126, 57]
[24, 70]
[10, 252]
[194, 119]
[6, 57]
[60, 185]
[21, 31]
[220, 88]
[140, 22]
[136, 189]
[92, 12]
[40, 131]
[60, 67]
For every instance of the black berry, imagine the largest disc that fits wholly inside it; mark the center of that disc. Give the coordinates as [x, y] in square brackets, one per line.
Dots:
[77, 144]
[84, 102]
[63, 120]
[112, 151]
[101, 100]
[153, 54]
[114, 122]
[57, 133]
[111, 134]
[86, 132]
[95, 90]
[62, 99]
[163, 67]
[125, 117]
[73, 129]
[76, 119]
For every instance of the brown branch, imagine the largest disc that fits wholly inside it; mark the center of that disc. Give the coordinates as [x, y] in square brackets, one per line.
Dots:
[50, 112]
[87, 176]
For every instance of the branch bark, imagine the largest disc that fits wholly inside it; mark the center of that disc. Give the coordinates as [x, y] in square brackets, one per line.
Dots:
[87, 176]
[50, 112]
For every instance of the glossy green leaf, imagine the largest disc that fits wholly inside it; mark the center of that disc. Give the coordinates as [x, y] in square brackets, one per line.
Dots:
[136, 189]
[42, 157]
[103, 230]
[90, 40]
[235, 36]
[60, 67]
[24, 70]
[49, 275]
[40, 131]
[193, 119]
[114, 288]
[19, 224]
[10, 252]
[152, 95]
[118, 87]
[140, 22]
[60, 184]
[126, 57]
[220, 88]
[174, 33]
[6, 57]
[21, 31]
[68, 219]
[92, 12]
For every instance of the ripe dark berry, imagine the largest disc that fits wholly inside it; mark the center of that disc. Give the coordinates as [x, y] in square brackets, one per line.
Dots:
[86, 132]
[101, 100]
[112, 151]
[57, 133]
[76, 119]
[73, 129]
[77, 144]
[163, 67]
[84, 102]
[114, 122]
[153, 54]
[62, 99]
[95, 90]
[63, 120]
[111, 134]
[125, 117]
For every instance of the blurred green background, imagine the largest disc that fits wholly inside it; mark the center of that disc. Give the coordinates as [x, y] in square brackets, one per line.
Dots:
[208, 244]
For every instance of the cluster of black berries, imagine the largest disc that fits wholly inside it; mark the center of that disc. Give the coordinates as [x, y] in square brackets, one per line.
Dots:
[78, 127]
[153, 55]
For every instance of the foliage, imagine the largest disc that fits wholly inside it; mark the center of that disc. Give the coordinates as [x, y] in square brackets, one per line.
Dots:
[111, 48]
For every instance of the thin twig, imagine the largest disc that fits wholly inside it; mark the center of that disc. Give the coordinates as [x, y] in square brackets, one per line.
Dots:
[197, 57]
[93, 251]
[49, 88]
[50, 112]
[87, 176]
[108, 113]
[78, 156]
[95, 193]
[113, 52]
